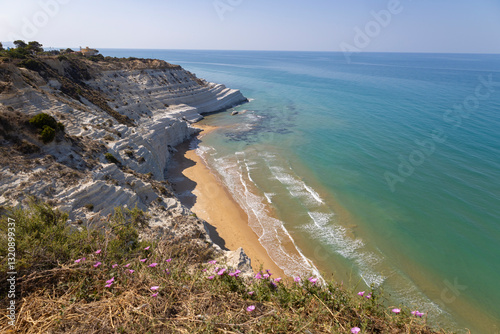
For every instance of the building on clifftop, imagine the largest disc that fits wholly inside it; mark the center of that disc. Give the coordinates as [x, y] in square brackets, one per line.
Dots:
[87, 52]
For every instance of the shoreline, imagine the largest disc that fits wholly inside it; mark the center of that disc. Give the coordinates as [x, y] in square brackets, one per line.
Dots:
[200, 190]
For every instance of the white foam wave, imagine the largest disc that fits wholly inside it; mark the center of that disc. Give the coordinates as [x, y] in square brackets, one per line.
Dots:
[269, 197]
[270, 231]
[296, 187]
[336, 238]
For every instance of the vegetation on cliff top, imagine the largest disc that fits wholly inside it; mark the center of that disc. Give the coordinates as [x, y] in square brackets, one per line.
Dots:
[108, 280]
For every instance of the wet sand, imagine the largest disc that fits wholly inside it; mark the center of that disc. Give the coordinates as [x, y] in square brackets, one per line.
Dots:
[200, 190]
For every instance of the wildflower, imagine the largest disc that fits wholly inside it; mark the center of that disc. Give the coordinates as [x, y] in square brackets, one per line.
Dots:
[108, 285]
[396, 310]
[368, 296]
[212, 262]
[258, 276]
[251, 308]
[110, 281]
[114, 266]
[313, 280]
[221, 272]
[98, 251]
[204, 269]
[167, 272]
[154, 294]
[355, 330]
[277, 279]
[97, 264]
[155, 287]
[361, 293]
[83, 258]
[168, 260]
[232, 274]
[127, 265]
[414, 313]
[78, 261]
[250, 293]
[420, 315]
[154, 264]
[131, 271]
[147, 248]
[297, 279]
[211, 277]
[266, 275]
[143, 260]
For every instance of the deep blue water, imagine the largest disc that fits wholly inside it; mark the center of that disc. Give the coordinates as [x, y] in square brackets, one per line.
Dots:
[383, 171]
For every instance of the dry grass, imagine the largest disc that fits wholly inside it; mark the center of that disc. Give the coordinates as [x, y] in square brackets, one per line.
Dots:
[193, 295]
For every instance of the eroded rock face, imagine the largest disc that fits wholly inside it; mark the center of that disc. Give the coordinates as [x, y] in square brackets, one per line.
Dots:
[135, 110]
[239, 260]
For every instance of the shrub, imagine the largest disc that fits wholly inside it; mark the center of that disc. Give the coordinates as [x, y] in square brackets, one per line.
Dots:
[42, 119]
[89, 207]
[111, 158]
[48, 134]
[60, 126]
[31, 64]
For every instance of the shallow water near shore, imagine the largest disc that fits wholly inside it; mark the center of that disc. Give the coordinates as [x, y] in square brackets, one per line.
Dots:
[369, 168]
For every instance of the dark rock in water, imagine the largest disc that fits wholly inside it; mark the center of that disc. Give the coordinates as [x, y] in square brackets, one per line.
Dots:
[234, 113]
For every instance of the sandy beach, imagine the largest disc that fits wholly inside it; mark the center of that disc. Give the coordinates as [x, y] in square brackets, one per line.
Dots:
[199, 189]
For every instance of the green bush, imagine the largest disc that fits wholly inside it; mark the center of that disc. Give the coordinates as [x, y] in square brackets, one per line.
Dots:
[42, 120]
[31, 64]
[48, 134]
[111, 158]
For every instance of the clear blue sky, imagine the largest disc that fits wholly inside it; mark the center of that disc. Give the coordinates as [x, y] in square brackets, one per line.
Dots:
[316, 25]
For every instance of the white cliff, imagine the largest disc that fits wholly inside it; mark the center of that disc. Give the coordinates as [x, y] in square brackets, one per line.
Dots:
[137, 110]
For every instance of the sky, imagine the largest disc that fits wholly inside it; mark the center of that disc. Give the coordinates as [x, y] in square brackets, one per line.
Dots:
[441, 26]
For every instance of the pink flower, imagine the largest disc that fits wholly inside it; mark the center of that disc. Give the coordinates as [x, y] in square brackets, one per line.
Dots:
[258, 276]
[108, 285]
[147, 248]
[396, 310]
[221, 272]
[355, 330]
[251, 308]
[420, 315]
[167, 272]
[114, 266]
[127, 265]
[313, 280]
[78, 261]
[277, 279]
[154, 294]
[143, 260]
[211, 277]
[297, 279]
[98, 251]
[361, 293]
[154, 264]
[110, 281]
[131, 271]
[168, 260]
[83, 258]
[204, 270]
[250, 293]
[266, 275]
[368, 296]
[155, 287]
[212, 262]
[97, 264]
[414, 313]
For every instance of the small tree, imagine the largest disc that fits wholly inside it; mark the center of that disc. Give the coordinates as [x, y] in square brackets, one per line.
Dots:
[34, 47]
[20, 44]
[1, 47]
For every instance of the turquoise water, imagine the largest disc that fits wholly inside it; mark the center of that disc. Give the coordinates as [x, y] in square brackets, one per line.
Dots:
[371, 168]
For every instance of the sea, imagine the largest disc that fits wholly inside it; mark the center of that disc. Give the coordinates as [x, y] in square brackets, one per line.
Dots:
[381, 170]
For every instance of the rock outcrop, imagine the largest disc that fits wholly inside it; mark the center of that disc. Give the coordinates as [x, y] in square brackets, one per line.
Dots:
[135, 110]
